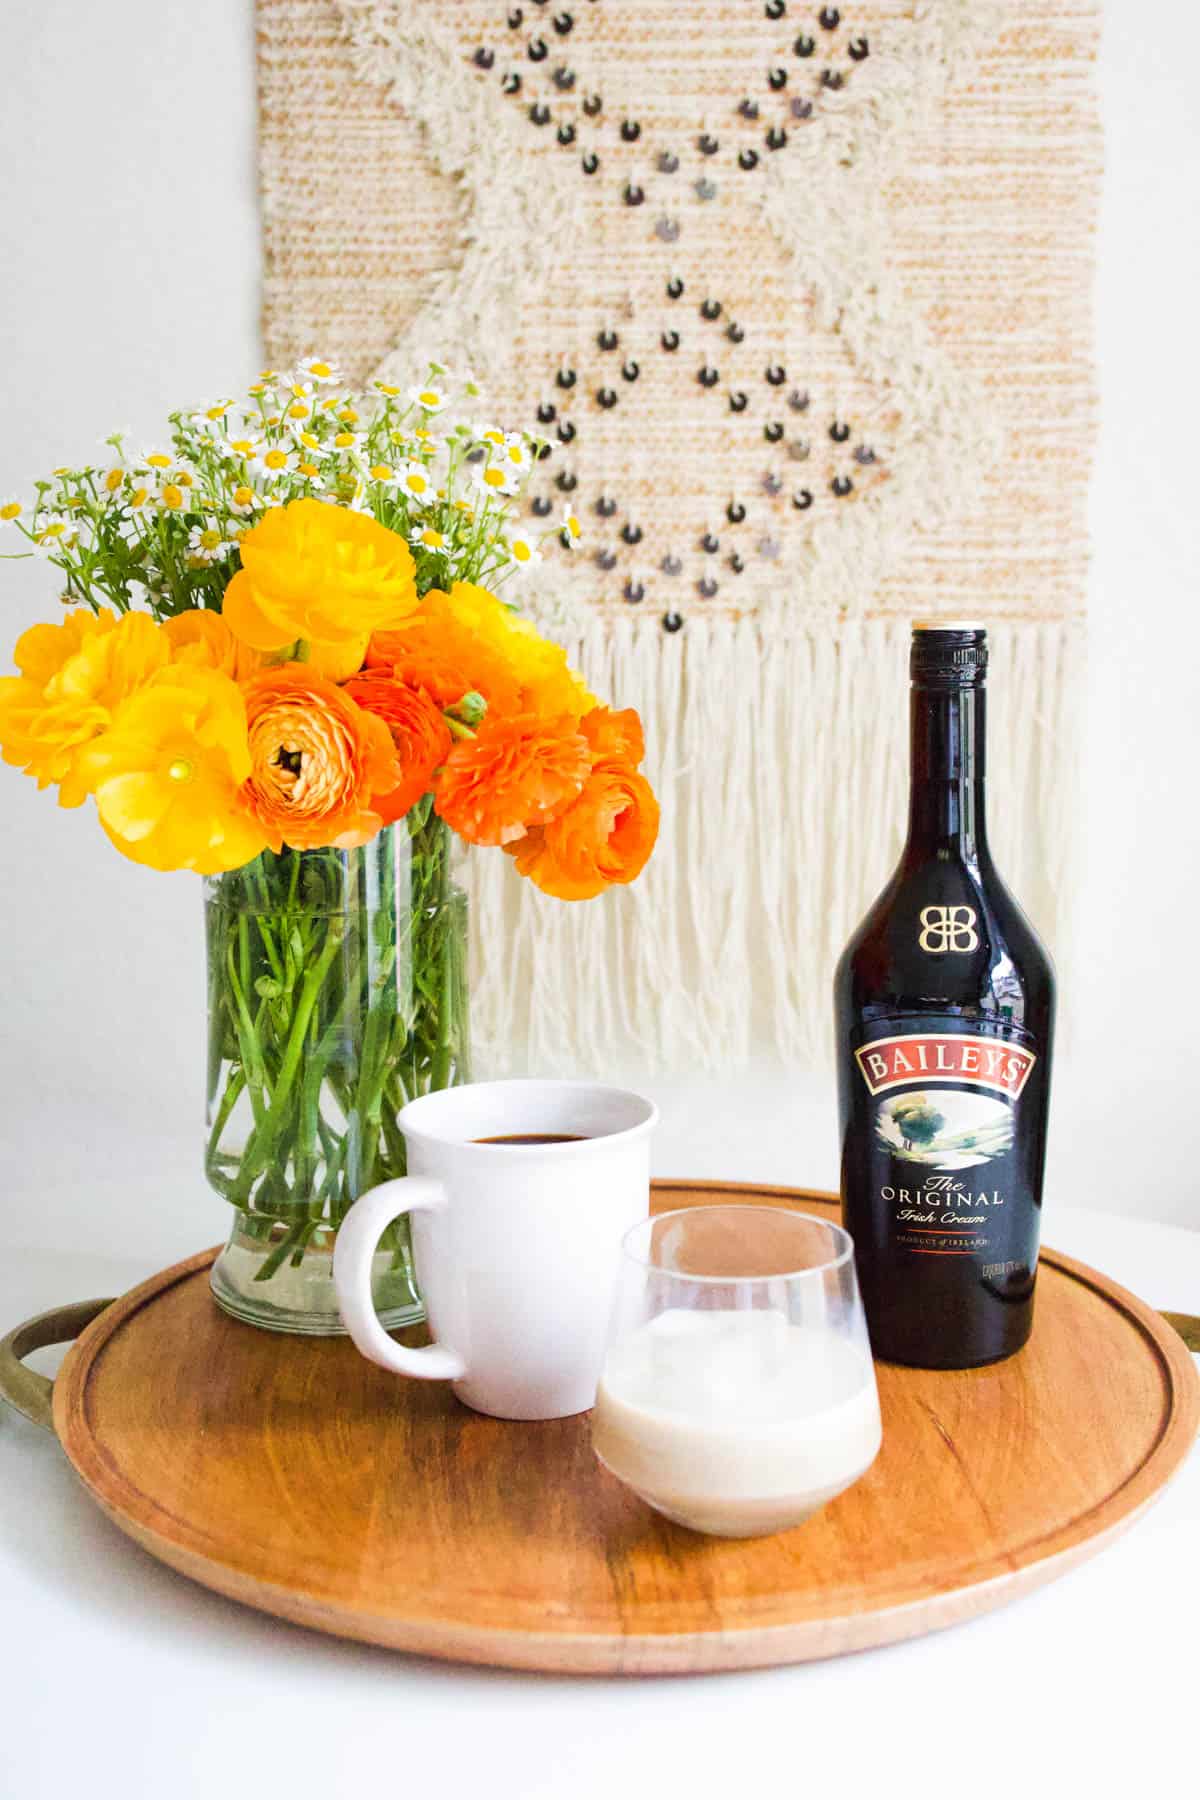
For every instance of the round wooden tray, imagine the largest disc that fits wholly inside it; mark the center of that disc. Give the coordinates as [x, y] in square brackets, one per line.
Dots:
[294, 1476]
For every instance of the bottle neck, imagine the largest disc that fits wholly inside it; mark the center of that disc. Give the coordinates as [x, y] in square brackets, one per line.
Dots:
[946, 804]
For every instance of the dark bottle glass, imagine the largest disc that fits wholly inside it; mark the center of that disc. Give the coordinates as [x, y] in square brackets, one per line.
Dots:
[944, 1002]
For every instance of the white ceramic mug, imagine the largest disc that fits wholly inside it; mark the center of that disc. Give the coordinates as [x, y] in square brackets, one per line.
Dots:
[516, 1245]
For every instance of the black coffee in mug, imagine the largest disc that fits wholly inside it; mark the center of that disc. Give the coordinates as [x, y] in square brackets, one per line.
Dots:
[534, 1137]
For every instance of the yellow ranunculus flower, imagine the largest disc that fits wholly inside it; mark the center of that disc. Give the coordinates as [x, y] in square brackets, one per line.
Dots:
[42, 650]
[168, 774]
[323, 574]
[73, 677]
[548, 685]
[203, 640]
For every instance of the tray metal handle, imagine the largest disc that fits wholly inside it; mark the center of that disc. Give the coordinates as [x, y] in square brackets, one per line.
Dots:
[1188, 1327]
[24, 1388]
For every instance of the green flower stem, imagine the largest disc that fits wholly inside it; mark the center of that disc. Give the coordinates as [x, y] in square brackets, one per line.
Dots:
[229, 1099]
[336, 995]
[295, 1240]
[267, 1133]
[440, 1075]
[248, 1044]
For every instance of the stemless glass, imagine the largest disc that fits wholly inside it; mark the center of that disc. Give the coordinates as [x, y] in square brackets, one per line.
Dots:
[738, 1393]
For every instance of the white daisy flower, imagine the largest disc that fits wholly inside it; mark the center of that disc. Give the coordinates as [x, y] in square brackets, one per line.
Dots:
[315, 368]
[172, 496]
[275, 459]
[427, 539]
[494, 478]
[430, 399]
[244, 500]
[515, 453]
[384, 474]
[246, 448]
[524, 552]
[487, 434]
[157, 460]
[388, 389]
[307, 441]
[345, 440]
[206, 542]
[418, 481]
[9, 510]
[55, 533]
[570, 530]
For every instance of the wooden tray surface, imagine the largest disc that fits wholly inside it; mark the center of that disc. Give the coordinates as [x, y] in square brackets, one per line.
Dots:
[292, 1475]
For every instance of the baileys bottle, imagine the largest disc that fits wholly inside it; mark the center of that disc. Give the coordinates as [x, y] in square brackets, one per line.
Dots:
[944, 1003]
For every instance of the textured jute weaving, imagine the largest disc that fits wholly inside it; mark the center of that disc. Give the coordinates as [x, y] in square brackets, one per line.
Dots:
[801, 296]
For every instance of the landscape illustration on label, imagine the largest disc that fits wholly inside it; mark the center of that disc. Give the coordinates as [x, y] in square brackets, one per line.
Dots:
[945, 1129]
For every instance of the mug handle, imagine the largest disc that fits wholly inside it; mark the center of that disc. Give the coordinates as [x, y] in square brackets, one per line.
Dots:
[357, 1241]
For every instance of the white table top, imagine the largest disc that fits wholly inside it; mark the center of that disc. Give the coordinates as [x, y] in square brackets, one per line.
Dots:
[118, 1677]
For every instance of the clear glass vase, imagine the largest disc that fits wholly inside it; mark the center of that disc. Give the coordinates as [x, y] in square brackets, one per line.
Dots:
[337, 991]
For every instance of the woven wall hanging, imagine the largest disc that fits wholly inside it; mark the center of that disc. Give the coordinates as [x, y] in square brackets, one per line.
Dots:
[800, 296]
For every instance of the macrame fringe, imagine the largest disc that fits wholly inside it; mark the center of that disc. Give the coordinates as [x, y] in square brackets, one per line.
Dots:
[781, 759]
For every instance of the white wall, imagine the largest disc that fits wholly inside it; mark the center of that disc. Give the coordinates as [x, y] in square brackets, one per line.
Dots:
[130, 284]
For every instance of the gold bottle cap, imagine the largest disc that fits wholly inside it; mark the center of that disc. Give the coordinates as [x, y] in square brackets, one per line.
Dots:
[949, 625]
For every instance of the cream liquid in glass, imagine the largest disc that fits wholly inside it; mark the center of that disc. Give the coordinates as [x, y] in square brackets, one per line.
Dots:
[736, 1422]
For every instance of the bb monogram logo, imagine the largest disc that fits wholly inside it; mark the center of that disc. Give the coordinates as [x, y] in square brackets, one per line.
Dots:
[948, 929]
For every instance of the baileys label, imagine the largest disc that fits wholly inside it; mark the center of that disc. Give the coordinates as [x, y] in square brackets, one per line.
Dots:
[902, 1061]
[942, 1122]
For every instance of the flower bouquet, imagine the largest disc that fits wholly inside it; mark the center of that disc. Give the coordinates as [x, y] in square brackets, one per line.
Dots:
[287, 666]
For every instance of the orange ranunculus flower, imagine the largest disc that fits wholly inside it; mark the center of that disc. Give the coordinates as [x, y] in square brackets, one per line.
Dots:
[419, 733]
[435, 651]
[317, 761]
[73, 678]
[604, 838]
[323, 574]
[466, 641]
[513, 774]
[203, 640]
[614, 736]
[168, 773]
